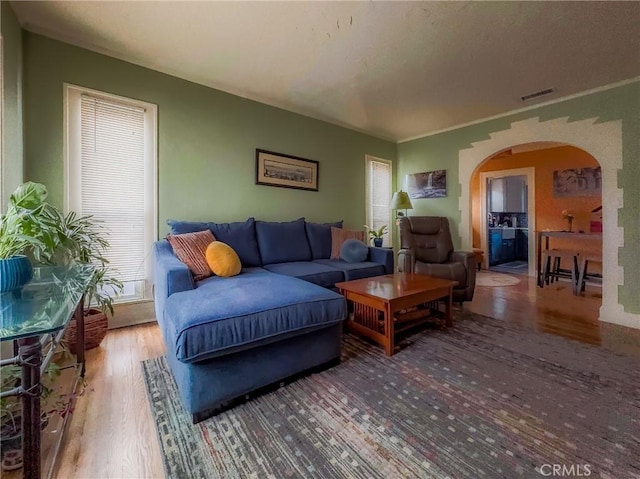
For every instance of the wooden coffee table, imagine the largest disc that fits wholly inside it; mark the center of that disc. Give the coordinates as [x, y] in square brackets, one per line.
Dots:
[385, 305]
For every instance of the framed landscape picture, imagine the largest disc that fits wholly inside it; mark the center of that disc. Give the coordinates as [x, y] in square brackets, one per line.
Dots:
[430, 184]
[286, 171]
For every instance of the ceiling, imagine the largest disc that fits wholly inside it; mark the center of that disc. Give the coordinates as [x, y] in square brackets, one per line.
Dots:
[396, 70]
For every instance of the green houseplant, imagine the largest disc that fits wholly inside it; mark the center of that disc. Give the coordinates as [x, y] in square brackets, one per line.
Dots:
[376, 235]
[27, 228]
[82, 239]
[32, 228]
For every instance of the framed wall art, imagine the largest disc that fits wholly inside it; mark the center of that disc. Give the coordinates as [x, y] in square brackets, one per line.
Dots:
[577, 182]
[429, 184]
[286, 171]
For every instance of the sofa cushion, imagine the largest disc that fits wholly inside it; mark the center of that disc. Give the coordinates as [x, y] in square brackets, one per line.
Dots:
[222, 260]
[354, 251]
[319, 236]
[228, 314]
[353, 271]
[181, 227]
[190, 248]
[282, 242]
[319, 274]
[339, 236]
[241, 236]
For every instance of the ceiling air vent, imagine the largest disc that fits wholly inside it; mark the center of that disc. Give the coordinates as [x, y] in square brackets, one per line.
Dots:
[538, 94]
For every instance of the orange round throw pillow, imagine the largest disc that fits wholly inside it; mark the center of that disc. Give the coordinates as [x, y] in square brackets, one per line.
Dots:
[222, 259]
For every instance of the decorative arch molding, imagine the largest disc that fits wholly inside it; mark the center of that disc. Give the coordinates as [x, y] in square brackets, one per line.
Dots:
[601, 140]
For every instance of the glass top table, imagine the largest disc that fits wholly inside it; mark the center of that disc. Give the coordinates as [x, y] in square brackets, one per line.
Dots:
[42, 307]
[46, 303]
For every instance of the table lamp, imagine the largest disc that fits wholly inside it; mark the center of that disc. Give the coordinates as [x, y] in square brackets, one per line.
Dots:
[401, 201]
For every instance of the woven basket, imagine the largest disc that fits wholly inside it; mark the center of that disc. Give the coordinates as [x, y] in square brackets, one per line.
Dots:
[95, 329]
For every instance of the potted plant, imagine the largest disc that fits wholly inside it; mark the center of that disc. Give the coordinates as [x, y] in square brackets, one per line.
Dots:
[82, 240]
[32, 226]
[376, 235]
[26, 228]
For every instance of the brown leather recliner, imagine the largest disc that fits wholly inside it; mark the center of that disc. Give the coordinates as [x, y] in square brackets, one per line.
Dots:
[426, 248]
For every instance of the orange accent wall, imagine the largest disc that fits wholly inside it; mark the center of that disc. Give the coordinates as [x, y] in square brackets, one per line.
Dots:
[548, 208]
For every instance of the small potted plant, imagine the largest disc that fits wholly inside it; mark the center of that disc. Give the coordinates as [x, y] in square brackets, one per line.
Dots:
[567, 215]
[27, 228]
[376, 235]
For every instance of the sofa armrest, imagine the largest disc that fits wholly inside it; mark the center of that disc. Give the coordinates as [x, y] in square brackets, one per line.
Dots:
[170, 275]
[406, 261]
[383, 256]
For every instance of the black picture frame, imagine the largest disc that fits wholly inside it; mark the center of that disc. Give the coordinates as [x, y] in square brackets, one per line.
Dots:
[286, 171]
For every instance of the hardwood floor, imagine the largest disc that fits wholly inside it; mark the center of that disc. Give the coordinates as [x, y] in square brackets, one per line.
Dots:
[112, 434]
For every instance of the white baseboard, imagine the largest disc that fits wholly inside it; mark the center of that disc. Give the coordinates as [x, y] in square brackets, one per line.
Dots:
[130, 314]
[616, 315]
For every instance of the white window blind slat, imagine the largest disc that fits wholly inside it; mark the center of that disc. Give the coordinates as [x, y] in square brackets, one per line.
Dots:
[113, 179]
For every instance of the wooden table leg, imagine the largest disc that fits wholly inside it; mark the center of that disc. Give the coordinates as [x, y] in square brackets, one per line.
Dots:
[389, 330]
[539, 259]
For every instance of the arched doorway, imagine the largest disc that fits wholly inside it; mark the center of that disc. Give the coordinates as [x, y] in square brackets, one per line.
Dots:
[604, 142]
[532, 200]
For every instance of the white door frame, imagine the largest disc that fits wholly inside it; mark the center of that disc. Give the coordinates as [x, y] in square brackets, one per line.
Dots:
[530, 173]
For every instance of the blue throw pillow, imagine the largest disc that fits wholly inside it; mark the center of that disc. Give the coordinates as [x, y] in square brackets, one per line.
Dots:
[354, 251]
[319, 235]
[282, 242]
[241, 236]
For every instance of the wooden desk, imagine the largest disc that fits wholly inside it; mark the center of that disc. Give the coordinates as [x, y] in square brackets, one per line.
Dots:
[558, 234]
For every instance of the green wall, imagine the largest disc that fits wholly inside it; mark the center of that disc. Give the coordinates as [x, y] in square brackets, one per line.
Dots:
[206, 145]
[12, 137]
[440, 151]
[207, 142]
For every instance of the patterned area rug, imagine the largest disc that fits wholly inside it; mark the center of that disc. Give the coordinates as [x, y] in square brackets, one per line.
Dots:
[482, 399]
[488, 278]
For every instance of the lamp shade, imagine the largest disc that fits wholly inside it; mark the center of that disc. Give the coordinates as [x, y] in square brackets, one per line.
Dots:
[401, 201]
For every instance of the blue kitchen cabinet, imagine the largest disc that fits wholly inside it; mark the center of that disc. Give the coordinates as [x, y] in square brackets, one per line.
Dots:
[495, 242]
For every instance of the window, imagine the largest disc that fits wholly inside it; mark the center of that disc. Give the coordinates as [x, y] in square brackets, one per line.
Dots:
[110, 173]
[378, 191]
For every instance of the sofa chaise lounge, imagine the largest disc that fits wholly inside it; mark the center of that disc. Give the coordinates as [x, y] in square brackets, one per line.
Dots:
[278, 319]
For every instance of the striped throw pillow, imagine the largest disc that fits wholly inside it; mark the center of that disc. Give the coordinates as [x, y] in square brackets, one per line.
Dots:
[191, 249]
[339, 236]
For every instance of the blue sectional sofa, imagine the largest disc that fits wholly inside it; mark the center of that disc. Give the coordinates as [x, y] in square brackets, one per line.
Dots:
[279, 318]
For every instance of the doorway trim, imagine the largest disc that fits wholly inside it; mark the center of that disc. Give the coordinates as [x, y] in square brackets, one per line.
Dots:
[530, 173]
[603, 141]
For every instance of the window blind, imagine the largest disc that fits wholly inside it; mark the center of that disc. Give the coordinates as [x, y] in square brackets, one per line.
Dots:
[379, 196]
[113, 180]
